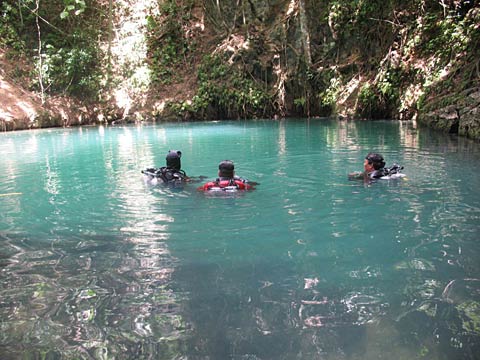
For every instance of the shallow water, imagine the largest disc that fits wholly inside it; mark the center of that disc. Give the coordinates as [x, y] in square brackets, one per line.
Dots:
[97, 263]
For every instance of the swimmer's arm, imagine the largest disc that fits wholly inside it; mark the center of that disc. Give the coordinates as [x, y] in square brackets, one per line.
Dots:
[357, 175]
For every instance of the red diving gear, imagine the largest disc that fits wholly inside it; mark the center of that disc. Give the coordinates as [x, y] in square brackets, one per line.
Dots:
[226, 185]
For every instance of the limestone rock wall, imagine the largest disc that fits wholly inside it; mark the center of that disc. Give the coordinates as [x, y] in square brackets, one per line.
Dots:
[461, 115]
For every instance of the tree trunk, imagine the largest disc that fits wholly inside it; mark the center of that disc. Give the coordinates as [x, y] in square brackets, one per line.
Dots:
[40, 61]
[305, 32]
[110, 39]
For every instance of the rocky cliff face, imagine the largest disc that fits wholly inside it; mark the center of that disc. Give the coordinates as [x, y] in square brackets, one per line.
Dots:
[357, 60]
[461, 117]
[469, 116]
[352, 59]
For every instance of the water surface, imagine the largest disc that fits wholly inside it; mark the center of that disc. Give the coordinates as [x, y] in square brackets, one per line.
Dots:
[97, 263]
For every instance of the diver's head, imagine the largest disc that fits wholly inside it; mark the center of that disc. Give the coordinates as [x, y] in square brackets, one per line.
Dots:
[374, 161]
[173, 159]
[226, 169]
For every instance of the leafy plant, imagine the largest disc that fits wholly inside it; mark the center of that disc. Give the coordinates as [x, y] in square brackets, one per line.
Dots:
[225, 92]
[166, 42]
[10, 16]
[73, 6]
[328, 97]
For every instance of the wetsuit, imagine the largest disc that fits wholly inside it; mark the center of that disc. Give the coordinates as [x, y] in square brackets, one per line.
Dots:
[376, 174]
[392, 172]
[166, 174]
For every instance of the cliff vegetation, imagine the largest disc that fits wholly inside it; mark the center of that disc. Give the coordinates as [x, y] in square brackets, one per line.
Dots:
[67, 62]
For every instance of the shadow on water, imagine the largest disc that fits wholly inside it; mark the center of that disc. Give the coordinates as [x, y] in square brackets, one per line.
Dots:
[237, 312]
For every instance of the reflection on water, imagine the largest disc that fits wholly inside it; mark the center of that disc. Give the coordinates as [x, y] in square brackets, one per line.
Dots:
[97, 263]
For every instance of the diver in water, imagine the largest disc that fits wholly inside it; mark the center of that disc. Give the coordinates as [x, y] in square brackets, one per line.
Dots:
[172, 172]
[374, 168]
[226, 179]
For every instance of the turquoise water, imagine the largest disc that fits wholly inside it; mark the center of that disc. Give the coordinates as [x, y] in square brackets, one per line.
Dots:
[97, 263]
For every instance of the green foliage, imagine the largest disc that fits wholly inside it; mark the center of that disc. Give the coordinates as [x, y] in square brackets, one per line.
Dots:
[329, 95]
[380, 99]
[76, 7]
[361, 25]
[225, 92]
[367, 100]
[390, 84]
[70, 54]
[10, 18]
[423, 352]
[167, 45]
[452, 40]
[69, 59]
[386, 40]
[375, 102]
[471, 316]
[300, 102]
[73, 70]
[443, 36]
